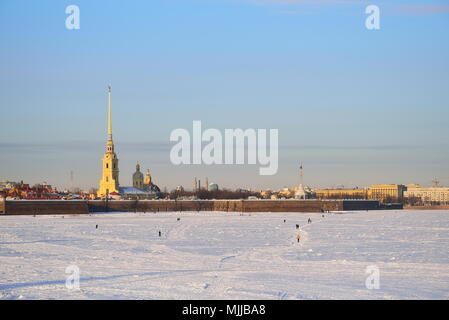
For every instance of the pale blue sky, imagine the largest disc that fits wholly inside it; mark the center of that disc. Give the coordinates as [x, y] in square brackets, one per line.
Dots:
[357, 107]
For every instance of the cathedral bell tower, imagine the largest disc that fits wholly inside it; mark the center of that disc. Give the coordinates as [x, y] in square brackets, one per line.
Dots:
[109, 182]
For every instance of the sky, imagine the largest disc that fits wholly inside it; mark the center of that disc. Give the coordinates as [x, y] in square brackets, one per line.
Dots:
[355, 106]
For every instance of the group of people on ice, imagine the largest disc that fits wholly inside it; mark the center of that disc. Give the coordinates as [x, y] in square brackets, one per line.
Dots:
[298, 236]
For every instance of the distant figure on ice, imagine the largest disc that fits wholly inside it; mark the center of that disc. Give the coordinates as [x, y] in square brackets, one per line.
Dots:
[298, 237]
[309, 221]
[297, 226]
[284, 220]
[160, 234]
[96, 226]
[178, 219]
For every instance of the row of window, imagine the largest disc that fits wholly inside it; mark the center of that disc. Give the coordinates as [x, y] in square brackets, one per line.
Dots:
[442, 194]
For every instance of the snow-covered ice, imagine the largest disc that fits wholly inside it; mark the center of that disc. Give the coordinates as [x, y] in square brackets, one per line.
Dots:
[214, 255]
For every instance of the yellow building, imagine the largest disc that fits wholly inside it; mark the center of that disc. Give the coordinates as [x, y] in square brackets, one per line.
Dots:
[341, 193]
[386, 192]
[109, 182]
[428, 195]
[285, 192]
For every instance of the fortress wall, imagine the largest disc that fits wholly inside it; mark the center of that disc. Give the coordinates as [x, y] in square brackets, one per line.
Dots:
[150, 205]
[332, 205]
[281, 205]
[37, 207]
[228, 205]
[164, 205]
[31, 207]
[106, 206]
[211, 205]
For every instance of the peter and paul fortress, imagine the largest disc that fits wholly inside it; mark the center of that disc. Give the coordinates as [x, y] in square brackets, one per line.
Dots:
[143, 186]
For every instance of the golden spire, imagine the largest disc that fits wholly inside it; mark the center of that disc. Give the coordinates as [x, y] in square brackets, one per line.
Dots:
[109, 114]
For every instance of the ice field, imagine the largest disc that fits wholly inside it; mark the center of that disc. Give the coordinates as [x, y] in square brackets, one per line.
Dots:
[214, 255]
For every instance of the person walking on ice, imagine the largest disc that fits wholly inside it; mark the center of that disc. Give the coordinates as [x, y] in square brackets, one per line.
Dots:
[298, 237]
[309, 221]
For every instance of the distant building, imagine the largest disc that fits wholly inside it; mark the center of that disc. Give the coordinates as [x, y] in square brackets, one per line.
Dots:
[428, 194]
[266, 194]
[386, 192]
[285, 192]
[19, 190]
[341, 193]
[6, 185]
[135, 193]
[380, 192]
[303, 192]
[213, 187]
[144, 182]
[115, 196]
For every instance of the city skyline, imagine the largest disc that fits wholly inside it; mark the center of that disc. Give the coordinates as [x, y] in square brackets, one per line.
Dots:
[356, 107]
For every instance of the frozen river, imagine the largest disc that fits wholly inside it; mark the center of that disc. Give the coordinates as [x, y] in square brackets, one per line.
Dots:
[213, 255]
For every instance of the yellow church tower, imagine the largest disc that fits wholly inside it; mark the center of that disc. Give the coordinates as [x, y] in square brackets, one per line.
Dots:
[109, 181]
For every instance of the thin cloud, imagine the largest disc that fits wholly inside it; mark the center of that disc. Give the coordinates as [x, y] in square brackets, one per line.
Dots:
[296, 12]
[409, 9]
[79, 146]
[356, 147]
[424, 9]
[158, 147]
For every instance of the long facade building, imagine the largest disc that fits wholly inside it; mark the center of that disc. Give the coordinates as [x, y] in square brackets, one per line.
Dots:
[380, 192]
[341, 193]
[428, 194]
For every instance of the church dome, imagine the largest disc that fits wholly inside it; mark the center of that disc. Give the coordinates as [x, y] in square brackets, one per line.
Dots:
[137, 174]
